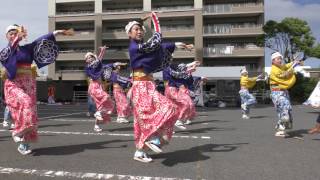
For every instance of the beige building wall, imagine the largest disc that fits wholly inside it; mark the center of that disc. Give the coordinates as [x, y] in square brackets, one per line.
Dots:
[82, 13]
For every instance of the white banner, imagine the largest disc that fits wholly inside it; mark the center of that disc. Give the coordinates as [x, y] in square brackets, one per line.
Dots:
[314, 99]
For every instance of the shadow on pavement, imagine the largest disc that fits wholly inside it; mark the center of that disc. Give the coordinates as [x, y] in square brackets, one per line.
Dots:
[195, 153]
[208, 121]
[73, 149]
[258, 117]
[297, 133]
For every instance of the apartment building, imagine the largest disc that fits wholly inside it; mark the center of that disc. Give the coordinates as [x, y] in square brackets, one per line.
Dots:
[223, 32]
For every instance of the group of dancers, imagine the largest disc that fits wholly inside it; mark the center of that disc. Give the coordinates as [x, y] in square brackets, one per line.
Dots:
[281, 78]
[155, 115]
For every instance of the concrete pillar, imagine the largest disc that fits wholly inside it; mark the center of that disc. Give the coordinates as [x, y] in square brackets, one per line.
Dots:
[51, 67]
[98, 31]
[147, 5]
[198, 36]
[198, 4]
[51, 8]
[98, 6]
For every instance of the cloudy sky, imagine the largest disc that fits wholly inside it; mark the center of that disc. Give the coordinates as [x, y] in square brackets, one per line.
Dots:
[33, 14]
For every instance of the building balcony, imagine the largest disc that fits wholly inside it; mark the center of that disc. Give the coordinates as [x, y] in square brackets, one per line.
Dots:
[116, 34]
[63, 19]
[230, 51]
[122, 16]
[177, 31]
[124, 54]
[72, 13]
[122, 11]
[233, 9]
[79, 35]
[166, 32]
[72, 55]
[211, 31]
[183, 54]
[71, 75]
[173, 8]
[175, 14]
[113, 54]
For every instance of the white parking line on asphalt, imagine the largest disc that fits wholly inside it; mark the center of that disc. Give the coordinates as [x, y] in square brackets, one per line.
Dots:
[114, 134]
[82, 175]
[110, 134]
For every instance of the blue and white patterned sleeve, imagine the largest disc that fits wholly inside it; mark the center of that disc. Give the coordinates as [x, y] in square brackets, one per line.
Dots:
[45, 50]
[5, 53]
[152, 44]
[179, 73]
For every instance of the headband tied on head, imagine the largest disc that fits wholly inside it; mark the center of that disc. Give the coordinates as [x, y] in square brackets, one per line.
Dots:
[244, 70]
[12, 27]
[275, 55]
[131, 24]
[90, 54]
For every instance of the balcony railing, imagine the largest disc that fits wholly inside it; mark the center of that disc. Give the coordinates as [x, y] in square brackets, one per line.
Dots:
[173, 8]
[232, 29]
[74, 12]
[65, 51]
[122, 10]
[177, 28]
[163, 28]
[218, 51]
[79, 35]
[183, 54]
[229, 8]
[120, 30]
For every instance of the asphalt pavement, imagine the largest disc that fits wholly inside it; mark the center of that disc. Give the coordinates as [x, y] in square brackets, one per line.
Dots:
[217, 145]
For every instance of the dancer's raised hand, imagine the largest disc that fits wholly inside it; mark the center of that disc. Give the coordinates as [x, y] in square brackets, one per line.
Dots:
[189, 47]
[22, 32]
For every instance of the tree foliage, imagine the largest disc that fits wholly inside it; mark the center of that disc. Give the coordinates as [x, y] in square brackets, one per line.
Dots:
[289, 36]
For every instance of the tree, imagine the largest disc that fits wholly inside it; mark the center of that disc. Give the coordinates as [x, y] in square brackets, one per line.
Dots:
[315, 52]
[289, 36]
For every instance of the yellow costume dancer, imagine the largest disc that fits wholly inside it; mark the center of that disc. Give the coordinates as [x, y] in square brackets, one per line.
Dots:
[247, 99]
[282, 78]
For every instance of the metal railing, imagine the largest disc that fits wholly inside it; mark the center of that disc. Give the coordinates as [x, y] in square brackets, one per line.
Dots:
[122, 10]
[74, 12]
[172, 8]
[163, 28]
[226, 8]
[227, 28]
[76, 51]
[228, 49]
[177, 28]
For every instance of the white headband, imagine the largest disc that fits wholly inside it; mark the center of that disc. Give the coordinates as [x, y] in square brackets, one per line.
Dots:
[131, 24]
[276, 54]
[90, 54]
[243, 71]
[12, 27]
